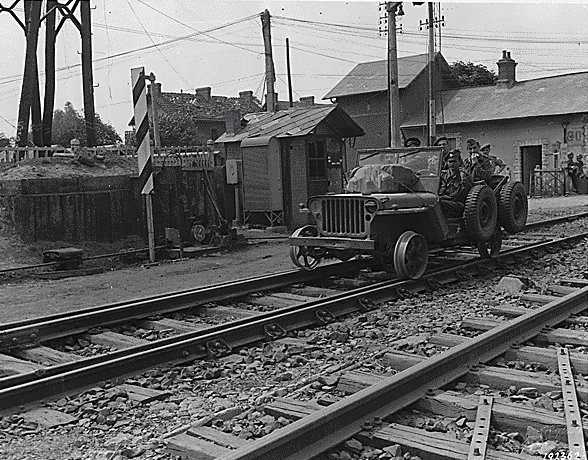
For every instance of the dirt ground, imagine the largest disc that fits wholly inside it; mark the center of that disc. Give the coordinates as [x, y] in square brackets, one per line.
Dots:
[62, 167]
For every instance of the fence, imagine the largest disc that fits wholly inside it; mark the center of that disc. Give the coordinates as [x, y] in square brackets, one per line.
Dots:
[189, 157]
[107, 209]
[546, 183]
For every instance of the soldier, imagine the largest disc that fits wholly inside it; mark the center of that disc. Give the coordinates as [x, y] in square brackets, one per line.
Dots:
[498, 164]
[478, 165]
[442, 142]
[454, 187]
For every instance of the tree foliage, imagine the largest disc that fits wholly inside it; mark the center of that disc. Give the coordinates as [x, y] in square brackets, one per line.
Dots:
[4, 140]
[70, 124]
[178, 129]
[470, 74]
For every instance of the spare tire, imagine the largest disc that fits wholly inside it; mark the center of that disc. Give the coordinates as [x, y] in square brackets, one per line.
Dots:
[513, 207]
[480, 213]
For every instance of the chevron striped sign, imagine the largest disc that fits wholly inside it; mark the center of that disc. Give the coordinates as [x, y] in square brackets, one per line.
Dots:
[144, 154]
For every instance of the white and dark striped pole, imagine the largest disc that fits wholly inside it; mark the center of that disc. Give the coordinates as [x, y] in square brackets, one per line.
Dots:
[144, 153]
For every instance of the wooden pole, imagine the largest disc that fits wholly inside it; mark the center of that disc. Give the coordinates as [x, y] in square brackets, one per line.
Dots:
[270, 76]
[150, 228]
[393, 90]
[290, 98]
[432, 123]
[33, 17]
[49, 103]
[87, 75]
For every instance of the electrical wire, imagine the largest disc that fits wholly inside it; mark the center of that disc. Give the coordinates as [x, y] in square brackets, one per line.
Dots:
[158, 49]
[190, 27]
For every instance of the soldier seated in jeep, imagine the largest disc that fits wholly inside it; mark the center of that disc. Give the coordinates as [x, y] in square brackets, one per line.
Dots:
[454, 186]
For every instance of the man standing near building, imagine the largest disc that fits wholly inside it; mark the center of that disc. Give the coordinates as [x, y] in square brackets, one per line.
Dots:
[572, 171]
[478, 165]
[497, 163]
[454, 187]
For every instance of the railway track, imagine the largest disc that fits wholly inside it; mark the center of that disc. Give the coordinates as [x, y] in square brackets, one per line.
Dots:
[63, 377]
[498, 388]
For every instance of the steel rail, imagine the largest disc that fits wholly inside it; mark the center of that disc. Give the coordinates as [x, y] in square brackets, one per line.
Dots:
[33, 331]
[25, 388]
[555, 220]
[325, 429]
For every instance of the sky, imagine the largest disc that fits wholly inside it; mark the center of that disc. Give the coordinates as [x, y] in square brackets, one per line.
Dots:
[189, 44]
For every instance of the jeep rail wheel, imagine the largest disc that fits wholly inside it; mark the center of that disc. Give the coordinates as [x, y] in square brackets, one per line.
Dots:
[303, 256]
[491, 247]
[411, 255]
[513, 207]
[480, 213]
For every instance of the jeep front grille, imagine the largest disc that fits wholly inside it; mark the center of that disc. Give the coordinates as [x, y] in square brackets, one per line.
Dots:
[342, 216]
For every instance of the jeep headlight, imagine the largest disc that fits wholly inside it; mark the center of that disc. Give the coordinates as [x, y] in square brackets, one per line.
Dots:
[371, 206]
[315, 207]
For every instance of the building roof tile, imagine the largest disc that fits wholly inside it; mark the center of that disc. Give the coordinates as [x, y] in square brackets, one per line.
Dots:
[369, 77]
[294, 122]
[556, 95]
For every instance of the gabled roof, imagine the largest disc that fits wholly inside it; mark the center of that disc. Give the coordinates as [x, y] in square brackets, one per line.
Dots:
[198, 107]
[557, 95]
[369, 77]
[295, 122]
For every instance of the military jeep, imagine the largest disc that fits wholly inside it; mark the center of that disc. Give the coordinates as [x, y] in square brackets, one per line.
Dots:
[391, 210]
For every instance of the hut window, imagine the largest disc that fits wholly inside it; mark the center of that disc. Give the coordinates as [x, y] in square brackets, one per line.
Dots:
[317, 160]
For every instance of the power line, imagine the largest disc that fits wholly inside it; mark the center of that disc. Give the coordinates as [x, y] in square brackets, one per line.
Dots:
[190, 27]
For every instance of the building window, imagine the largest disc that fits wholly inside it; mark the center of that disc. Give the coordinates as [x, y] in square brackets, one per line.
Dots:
[317, 160]
[213, 134]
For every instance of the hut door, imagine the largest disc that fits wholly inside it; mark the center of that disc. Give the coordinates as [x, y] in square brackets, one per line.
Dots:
[530, 157]
[318, 182]
[285, 147]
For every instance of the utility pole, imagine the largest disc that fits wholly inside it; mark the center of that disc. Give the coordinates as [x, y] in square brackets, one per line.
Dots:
[270, 75]
[290, 98]
[87, 75]
[393, 8]
[432, 122]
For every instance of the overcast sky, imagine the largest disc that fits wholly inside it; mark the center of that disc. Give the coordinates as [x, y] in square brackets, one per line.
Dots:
[219, 44]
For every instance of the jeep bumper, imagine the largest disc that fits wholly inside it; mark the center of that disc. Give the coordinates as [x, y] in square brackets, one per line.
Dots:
[332, 243]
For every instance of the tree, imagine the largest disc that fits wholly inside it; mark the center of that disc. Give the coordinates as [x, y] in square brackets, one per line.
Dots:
[178, 129]
[470, 74]
[4, 140]
[70, 124]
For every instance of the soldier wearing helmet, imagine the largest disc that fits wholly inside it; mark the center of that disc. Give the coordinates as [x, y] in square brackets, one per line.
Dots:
[455, 185]
[478, 165]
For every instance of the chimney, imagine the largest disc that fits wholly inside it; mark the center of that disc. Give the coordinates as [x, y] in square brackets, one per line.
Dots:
[506, 71]
[204, 93]
[307, 100]
[233, 121]
[245, 99]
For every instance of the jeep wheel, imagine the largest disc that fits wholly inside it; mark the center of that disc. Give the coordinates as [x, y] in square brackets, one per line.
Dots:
[513, 207]
[491, 247]
[480, 213]
[303, 256]
[411, 255]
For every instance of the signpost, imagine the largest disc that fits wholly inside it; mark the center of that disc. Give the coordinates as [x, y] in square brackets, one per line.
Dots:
[144, 152]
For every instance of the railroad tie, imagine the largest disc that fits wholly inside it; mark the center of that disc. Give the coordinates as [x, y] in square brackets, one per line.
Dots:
[576, 446]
